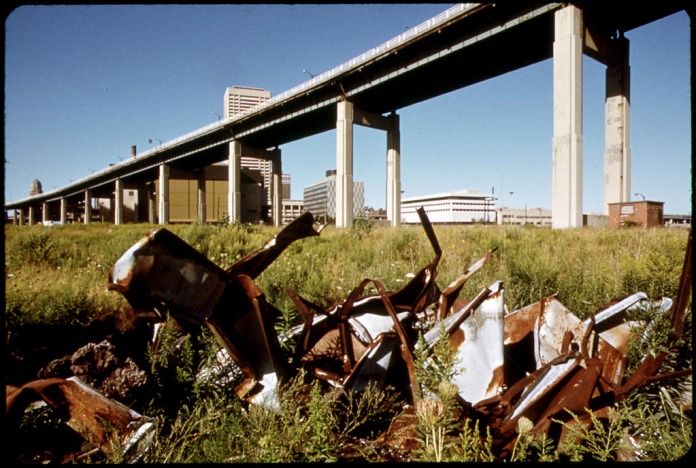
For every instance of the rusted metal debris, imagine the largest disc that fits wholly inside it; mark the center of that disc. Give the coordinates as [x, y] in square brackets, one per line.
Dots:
[103, 422]
[536, 362]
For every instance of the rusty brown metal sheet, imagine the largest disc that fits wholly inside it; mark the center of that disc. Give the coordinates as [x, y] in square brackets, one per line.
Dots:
[162, 272]
[532, 401]
[243, 323]
[450, 294]
[683, 293]
[421, 291]
[255, 263]
[99, 420]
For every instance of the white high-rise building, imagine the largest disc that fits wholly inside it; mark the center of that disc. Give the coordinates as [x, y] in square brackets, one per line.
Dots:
[239, 99]
[320, 197]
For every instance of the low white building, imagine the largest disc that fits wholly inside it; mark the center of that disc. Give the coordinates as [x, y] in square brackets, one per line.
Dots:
[459, 207]
[521, 216]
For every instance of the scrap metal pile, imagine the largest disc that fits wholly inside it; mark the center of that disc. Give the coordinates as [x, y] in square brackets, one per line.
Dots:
[535, 362]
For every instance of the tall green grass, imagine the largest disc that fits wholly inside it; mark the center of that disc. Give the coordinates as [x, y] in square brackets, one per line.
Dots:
[66, 266]
[58, 275]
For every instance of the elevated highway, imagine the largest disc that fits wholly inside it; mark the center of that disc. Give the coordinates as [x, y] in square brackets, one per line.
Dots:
[465, 45]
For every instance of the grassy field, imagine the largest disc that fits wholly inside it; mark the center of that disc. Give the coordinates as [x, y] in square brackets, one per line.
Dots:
[58, 275]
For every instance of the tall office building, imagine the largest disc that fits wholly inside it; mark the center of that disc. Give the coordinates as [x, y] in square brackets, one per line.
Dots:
[320, 197]
[239, 99]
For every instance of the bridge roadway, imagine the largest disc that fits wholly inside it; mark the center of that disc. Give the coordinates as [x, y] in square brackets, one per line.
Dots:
[466, 44]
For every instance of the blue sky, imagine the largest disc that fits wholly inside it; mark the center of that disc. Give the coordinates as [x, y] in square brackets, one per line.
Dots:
[84, 83]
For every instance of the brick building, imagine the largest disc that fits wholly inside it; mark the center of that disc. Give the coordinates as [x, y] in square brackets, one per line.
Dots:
[644, 213]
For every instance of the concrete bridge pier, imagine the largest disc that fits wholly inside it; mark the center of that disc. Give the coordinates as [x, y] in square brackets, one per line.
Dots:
[567, 118]
[344, 164]
[277, 187]
[31, 215]
[347, 115]
[617, 149]
[44, 212]
[201, 212]
[118, 205]
[394, 172]
[63, 211]
[234, 194]
[88, 206]
[163, 194]
[151, 203]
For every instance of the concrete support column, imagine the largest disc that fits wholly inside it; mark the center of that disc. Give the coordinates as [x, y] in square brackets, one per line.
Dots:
[63, 211]
[163, 194]
[151, 205]
[31, 216]
[277, 198]
[344, 164]
[44, 213]
[15, 217]
[617, 149]
[567, 118]
[234, 194]
[21, 216]
[200, 190]
[394, 172]
[88, 206]
[118, 202]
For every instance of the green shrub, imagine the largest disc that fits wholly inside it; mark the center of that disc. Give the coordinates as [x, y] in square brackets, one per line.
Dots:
[33, 247]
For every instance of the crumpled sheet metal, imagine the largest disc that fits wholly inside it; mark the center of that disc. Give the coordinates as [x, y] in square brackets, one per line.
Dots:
[99, 420]
[355, 343]
[579, 365]
[557, 329]
[535, 362]
[163, 273]
[476, 333]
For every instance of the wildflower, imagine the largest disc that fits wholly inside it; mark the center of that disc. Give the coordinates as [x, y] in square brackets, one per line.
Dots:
[430, 411]
[524, 425]
[447, 390]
